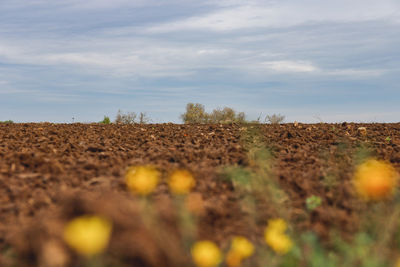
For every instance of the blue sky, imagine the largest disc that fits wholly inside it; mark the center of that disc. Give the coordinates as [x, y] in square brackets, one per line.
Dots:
[310, 60]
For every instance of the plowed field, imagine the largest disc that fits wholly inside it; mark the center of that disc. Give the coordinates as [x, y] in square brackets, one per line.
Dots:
[51, 173]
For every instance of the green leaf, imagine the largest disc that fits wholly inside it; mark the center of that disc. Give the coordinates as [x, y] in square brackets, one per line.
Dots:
[313, 202]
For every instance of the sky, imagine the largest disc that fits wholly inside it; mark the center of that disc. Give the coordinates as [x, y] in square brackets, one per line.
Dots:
[310, 60]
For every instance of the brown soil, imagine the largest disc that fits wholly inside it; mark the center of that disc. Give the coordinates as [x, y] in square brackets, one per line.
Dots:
[50, 173]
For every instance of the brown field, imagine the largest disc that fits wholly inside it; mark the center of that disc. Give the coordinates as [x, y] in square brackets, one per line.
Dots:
[51, 173]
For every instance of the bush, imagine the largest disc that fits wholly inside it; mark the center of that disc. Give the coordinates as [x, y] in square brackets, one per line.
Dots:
[275, 118]
[106, 120]
[143, 118]
[8, 121]
[226, 115]
[130, 118]
[195, 113]
[127, 118]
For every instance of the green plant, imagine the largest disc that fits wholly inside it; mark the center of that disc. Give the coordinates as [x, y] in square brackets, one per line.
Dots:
[363, 152]
[106, 120]
[313, 202]
[335, 161]
[256, 182]
[388, 139]
[7, 121]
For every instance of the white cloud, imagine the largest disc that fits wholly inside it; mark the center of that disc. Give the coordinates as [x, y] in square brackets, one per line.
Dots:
[8, 90]
[121, 51]
[133, 57]
[290, 66]
[145, 58]
[57, 97]
[261, 14]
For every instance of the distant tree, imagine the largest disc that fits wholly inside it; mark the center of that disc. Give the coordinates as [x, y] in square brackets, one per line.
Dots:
[125, 118]
[195, 113]
[131, 117]
[275, 118]
[226, 115]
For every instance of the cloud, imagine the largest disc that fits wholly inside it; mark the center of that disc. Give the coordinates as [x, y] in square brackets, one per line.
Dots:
[143, 57]
[9, 90]
[289, 66]
[283, 14]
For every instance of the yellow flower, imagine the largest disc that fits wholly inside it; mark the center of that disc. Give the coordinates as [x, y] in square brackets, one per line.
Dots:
[142, 179]
[181, 182]
[279, 242]
[375, 179]
[206, 254]
[276, 238]
[278, 225]
[398, 262]
[241, 248]
[88, 235]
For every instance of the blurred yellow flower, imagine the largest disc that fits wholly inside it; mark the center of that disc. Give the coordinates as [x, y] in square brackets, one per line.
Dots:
[88, 235]
[142, 179]
[241, 248]
[206, 254]
[375, 179]
[279, 242]
[276, 238]
[181, 182]
[398, 262]
[277, 225]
